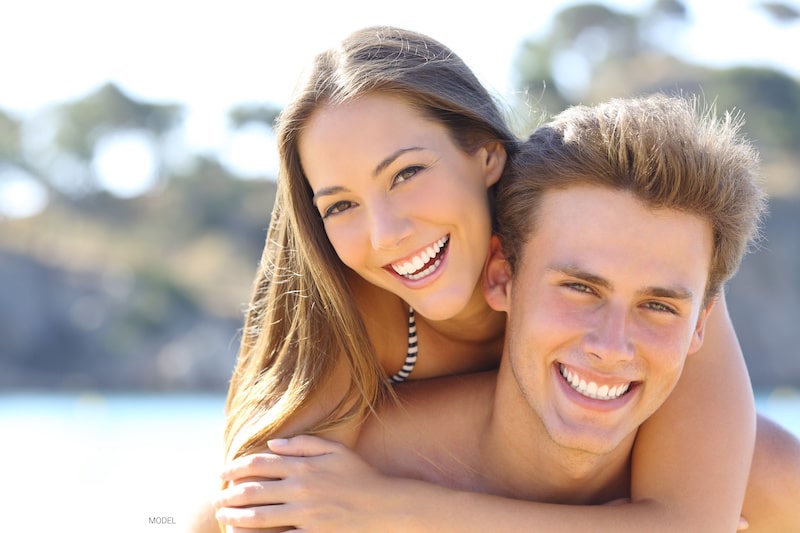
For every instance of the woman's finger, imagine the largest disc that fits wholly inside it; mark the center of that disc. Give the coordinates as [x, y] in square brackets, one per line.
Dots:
[249, 493]
[304, 446]
[263, 516]
[256, 465]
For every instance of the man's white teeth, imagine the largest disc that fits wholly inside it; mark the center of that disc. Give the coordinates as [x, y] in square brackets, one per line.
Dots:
[412, 269]
[591, 389]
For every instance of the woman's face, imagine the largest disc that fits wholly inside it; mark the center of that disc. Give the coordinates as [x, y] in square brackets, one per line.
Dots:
[402, 204]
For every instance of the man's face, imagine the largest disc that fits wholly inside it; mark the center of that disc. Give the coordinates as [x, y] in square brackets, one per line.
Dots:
[606, 304]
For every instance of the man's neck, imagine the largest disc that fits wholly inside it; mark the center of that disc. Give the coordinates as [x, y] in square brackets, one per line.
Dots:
[462, 433]
[525, 462]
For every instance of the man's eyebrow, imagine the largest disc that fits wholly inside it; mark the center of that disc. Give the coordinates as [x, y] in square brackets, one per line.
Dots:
[391, 158]
[579, 273]
[676, 292]
[672, 293]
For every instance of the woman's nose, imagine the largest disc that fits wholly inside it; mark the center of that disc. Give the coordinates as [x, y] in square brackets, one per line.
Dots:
[389, 227]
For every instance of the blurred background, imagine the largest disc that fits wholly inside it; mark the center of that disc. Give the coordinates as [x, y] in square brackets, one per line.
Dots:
[137, 168]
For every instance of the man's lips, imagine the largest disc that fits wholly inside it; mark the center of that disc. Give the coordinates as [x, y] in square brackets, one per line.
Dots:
[591, 389]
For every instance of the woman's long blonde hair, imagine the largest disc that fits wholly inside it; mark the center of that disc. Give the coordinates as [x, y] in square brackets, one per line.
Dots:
[302, 315]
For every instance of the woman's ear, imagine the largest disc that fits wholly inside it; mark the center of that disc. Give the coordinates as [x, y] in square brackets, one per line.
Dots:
[497, 277]
[494, 161]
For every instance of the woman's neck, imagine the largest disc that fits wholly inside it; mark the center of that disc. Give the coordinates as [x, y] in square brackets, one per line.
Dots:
[471, 341]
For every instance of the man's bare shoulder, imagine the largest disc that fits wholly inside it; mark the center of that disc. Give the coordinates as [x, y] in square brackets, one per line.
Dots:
[428, 424]
[417, 396]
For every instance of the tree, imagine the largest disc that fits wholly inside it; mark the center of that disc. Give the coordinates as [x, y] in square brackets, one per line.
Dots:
[9, 138]
[780, 11]
[261, 114]
[82, 125]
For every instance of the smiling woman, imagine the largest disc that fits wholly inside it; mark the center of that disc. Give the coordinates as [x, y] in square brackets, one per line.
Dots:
[409, 188]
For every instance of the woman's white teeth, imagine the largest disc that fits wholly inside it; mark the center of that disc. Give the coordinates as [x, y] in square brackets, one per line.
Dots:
[424, 273]
[591, 389]
[413, 268]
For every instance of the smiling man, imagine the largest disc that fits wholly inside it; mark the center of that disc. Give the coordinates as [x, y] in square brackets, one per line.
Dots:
[608, 301]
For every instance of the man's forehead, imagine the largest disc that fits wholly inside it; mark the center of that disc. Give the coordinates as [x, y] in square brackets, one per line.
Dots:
[612, 235]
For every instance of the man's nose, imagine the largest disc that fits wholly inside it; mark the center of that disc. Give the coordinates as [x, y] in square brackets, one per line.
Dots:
[609, 339]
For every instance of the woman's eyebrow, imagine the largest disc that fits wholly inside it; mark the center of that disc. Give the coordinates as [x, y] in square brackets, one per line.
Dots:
[327, 191]
[391, 158]
[336, 189]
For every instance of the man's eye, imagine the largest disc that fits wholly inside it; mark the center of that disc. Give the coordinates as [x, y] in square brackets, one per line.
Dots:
[406, 174]
[579, 287]
[660, 307]
[336, 208]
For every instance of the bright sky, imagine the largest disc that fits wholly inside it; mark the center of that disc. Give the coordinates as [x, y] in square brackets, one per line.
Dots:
[212, 55]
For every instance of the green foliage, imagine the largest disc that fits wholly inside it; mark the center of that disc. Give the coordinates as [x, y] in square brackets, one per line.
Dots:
[770, 101]
[245, 114]
[107, 110]
[622, 61]
[582, 26]
[535, 81]
[670, 8]
[780, 11]
[9, 137]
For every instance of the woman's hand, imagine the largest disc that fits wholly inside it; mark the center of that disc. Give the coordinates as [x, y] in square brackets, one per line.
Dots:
[311, 484]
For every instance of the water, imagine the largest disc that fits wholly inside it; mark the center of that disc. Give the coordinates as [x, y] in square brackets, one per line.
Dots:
[95, 463]
[783, 406]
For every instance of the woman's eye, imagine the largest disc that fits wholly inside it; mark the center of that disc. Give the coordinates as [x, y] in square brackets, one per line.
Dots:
[406, 174]
[336, 208]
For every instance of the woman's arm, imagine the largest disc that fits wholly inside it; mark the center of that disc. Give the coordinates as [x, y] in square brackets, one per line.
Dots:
[773, 489]
[323, 406]
[694, 453]
[328, 487]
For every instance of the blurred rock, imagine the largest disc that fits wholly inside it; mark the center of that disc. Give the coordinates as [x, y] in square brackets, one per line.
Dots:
[62, 329]
[764, 300]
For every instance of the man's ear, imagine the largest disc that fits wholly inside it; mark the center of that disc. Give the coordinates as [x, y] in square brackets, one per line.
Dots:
[497, 277]
[700, 326]
[494, 158]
